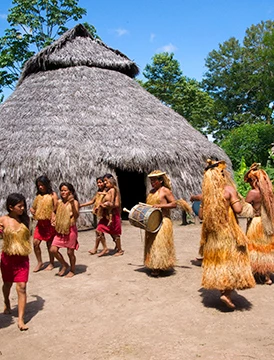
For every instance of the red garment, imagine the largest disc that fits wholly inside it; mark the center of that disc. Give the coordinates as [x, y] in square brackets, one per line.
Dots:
[14, 268]
[67, 241]
[115, 227]
[44, 231]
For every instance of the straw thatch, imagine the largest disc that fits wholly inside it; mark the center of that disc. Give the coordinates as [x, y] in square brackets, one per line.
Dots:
[77, 113]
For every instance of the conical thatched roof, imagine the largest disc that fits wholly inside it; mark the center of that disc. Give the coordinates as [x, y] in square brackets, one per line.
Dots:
[77, 113]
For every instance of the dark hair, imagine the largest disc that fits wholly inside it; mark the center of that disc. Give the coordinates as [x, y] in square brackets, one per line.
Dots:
[14, 199]
[70, 187]
[108, 176]
[46, 182]
[100, 178]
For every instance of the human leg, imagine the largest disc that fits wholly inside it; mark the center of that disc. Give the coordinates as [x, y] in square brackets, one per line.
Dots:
[6, 294]
[64, 266]
[72, 260]
[118, 246]
[21, 288]
[97, 242]
[37, 252]
[101, 237]
[51, 256]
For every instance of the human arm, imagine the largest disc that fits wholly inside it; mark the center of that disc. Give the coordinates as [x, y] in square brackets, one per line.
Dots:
[91, 202]
[234, 201]
[74, 207]
[197, 197]
[34, 206]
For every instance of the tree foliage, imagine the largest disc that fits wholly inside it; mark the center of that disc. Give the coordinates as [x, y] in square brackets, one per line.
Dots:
[184, 95]
[33, 24]
[249, 142]
[240, 79]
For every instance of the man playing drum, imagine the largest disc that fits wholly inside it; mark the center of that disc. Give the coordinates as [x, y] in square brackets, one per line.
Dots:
[159, 247]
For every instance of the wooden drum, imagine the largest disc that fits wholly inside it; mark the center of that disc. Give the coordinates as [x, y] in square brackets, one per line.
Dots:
[146, 217]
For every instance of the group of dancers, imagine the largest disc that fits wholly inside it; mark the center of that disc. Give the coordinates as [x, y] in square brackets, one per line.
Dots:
[231, 258]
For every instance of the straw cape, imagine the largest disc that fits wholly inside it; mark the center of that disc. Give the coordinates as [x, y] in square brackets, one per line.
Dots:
[77, 113]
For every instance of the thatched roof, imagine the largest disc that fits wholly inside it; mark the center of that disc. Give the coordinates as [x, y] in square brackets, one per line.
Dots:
[77, 114]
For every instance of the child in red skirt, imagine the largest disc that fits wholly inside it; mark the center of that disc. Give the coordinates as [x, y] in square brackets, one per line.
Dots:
[43, 210]
[14, 258]
[66, 231]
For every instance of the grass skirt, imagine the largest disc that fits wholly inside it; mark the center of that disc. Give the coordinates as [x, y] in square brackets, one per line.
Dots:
[159, 247]
[261, 247]
[226, 263]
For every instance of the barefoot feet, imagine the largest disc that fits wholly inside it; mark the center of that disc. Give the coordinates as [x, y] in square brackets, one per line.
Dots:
[155, 273]
[22, 326]
[103, 252]
[49, 267]
[63, 270]
[38, 267]
[70, 274]
[119, 253]
[92, 252]
[226, 300]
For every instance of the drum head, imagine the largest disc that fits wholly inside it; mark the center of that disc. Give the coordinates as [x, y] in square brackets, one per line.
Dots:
[154, 221]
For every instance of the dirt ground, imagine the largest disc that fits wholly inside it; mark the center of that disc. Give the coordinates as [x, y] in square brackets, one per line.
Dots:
[112, 309]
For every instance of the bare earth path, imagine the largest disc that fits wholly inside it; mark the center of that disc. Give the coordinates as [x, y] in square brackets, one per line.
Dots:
[113, 310]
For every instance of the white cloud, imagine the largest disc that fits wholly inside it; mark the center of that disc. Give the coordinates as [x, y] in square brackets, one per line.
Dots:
[168, 48]
[152, 37]
[3, 16]
[121, 32]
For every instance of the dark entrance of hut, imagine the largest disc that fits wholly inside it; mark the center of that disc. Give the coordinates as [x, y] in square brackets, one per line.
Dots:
[132, 187]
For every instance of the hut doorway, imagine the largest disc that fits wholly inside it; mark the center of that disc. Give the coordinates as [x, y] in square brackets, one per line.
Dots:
[132, 187]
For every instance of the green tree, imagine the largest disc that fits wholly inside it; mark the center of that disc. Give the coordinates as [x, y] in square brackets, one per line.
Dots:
[162, 77]
[34, 24]
[249, 142]
[240, 79]
[184, 95]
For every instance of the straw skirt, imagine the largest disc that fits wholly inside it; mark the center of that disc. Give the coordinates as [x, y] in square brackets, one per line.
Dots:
[159, 247]
[261, 247]
[226, 263]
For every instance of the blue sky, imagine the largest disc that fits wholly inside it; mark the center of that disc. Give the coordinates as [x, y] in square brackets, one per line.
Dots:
[189, 28]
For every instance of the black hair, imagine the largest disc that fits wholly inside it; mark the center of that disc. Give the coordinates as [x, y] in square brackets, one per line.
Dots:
[71, 189]
[100, 178]
[46, 182]
[108, 176]
[14, 199]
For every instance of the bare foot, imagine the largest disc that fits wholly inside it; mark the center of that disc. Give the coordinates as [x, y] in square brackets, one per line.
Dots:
[7, 309]
[155, 273]
[120, 252]
[70, 274]
[38, 267]
[22, 326]
[92, 252]
[225, 299]
[103, 252]
[268, 281]
[49, 267]
[63, 270]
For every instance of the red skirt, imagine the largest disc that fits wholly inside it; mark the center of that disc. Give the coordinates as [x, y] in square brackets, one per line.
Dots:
[14, 268]
[69, 241]
[44, 231]
[114, 228]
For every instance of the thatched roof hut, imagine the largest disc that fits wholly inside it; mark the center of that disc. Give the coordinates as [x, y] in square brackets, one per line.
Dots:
[77, 113]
